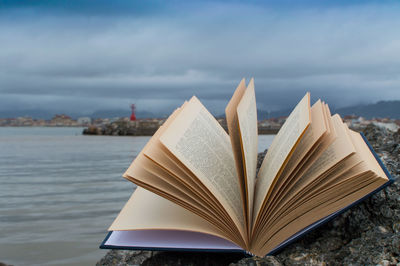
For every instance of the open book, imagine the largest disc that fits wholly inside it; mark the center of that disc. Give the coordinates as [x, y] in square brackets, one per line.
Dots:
[198, 187]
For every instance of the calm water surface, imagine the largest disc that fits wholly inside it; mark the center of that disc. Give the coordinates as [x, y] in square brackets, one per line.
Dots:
[59, 192]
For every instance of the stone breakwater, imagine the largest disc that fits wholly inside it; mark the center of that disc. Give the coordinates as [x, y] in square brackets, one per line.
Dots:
[125, 127]
[367, 234]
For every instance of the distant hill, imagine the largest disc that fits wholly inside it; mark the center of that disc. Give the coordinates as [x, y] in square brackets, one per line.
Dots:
[390, 109]
[262, 115]
[35, 113]
[121, 113]
[44, 114]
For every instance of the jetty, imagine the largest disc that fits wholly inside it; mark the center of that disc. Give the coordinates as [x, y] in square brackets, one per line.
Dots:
[147, 127]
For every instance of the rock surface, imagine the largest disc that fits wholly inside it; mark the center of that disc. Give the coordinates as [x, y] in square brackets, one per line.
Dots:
[123, 127]
[367, 234]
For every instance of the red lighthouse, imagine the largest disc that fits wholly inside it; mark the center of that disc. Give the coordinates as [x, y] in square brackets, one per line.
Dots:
[133, 116]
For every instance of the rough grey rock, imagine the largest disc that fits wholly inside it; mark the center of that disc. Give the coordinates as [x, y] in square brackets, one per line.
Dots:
[124, 257]
[367, 234]
[148, 258]
[257, 261]
[122, 127]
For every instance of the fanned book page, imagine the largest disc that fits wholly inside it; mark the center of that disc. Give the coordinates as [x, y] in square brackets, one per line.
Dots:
[150, 221]
[198, 188]
[247, 120]
[200, 143]
[281, 148]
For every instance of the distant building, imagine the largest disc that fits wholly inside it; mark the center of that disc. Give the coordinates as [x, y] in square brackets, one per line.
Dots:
[25, 121]
[62, 120]
[84, 121]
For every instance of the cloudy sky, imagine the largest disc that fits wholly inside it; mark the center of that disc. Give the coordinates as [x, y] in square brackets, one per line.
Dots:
[95, 54]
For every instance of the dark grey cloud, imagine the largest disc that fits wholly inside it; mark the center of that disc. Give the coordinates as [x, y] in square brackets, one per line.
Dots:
[344, 55]
[84, 7]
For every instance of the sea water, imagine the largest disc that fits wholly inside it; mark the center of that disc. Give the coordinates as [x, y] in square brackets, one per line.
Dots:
[59, 192]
